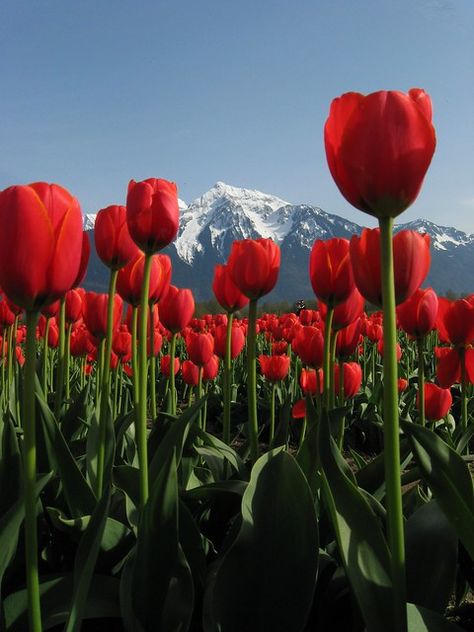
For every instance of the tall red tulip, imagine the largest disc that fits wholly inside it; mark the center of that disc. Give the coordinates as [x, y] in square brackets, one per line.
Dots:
[379, 147]
[95, 313]
[200, 347]
[226, 292]
[190, 373]
[254, 265]
[438, 401]
[177, 309]
[236, 344]
[40, 243]
[274, 367]
[352, 379]
[73, 306]
[346, 312]
[152, 213]
[113, 243]
[417, 315]
[330, 270]
[130, 278]
[411, 262]
[308, 344]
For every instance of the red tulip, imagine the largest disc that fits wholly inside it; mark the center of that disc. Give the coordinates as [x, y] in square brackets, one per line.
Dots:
[455, 321]
[448, 368]
[352, 379]
[411, 261]
[417, 316]
[176, 309]
[346, 312]
[122, 344]
[348, 339]
[237, 341]
[73, 306]
[402, 384]
[152, 213]
[379, 147]
[254, 265]
[311, 381]
[160, 290]
[40, 243]
[52, 309]
[130, 278]
[53, 336]
[330, 270]
[398, 349]
[299, 409]
[95, 313]
[113, 243]
[274, 368]
[280, 348]
[7, 317]
[81, 343]
[226, 292]
[308, 344]
[157, 342]
[190, 373]
[165, 365]
[438, 401]
[200, 347]
[210, 369]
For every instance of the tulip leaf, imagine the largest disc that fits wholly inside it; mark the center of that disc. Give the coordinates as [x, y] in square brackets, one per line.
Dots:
[371, 476]
[360, 539]
[423, 620]
[267, 577]
[157, 577]
[79, 496]
[56, 594]
[431, 546]
[445, 471]
[10, 466]
[78, 410]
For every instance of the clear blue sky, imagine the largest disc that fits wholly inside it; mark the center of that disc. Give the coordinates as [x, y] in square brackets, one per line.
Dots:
[95, 92]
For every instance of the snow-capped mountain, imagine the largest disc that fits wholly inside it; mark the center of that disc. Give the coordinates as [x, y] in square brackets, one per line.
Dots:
[210, 224]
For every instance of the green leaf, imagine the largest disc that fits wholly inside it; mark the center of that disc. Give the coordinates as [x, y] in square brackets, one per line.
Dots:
[10, 466]
[84, 563]
[10, 524]
[70, 426]
[160, 580]
[56, 597]
[79, 496]
[449, 478]
[424, 620]
[266, 579]
[361, 542]
[431, 547]
[371, 477]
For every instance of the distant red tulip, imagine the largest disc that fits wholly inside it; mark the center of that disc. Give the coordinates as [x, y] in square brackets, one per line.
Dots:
[254, 265]
[411, 261]
[352, 379]
[210, 369]
[398, 349]
[122, 344]
[308, 344]
[346, 312]
[402, 384]
[226, 292]
[200, 347]
[53, 336]
[40, 243]
[279, 348]
[157, 342]
[274, 368]
[95, 313]
[438, 401]
[176, 309]
[130, 278]
[237, 341]
[417, 316]
[348, 339]
[379, 147]
[311, 381]
[113, 243]
[152, 213]
[190, 373]
[299, 409]
[52, 309]
[73, 306]
[165, 365]
[81, 343]
[330, 270]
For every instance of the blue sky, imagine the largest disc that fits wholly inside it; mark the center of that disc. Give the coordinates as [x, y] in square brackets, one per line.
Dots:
[95, 92]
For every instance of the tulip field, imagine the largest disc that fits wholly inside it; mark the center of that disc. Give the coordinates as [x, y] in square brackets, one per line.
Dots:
[242, 471]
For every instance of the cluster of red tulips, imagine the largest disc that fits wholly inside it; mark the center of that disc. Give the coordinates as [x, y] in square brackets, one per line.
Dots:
[141, 429]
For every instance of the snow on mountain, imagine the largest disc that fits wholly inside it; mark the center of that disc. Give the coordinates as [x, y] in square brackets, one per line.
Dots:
[442, 237]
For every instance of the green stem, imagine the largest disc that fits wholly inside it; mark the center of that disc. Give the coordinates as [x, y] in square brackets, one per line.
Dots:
[135, 358]
[252, 379]
[204, 409]
[391, 430]
[152, 359]
[10, 359]
[464, 413]
[327, 359]
[143, 383]
[105, 385]
[172, 393]
[29, 470]
[332, 395]
[61, 358]
[340, 403]
[199, 394]
[421, 381]
[272, 414]
[46, 357]
[68, 359]
[227, 377]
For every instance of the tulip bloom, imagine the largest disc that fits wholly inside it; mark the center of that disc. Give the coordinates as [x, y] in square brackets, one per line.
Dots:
[438, 401]
[348, 339]
[254, 265]
[308, 344]
[274, 368]
[190, 373]
[200, 347]
[73, 306]
[113, 243]
[352, 379]
[130, 278]
[152, 213]
[311, 381]
[40, 243]
[165, 364]
[346, 312]
[379, 147]
[177, 309]
[411, 261]
[95, 313]
[330, 270]
[237, 341]
[417, 315]
[226, 292]
[210, 369]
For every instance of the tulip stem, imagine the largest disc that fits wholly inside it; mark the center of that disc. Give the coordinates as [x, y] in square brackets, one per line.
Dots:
[105, 385]
[227, 375]
[199, 395]
[272, 415]
[45, 357]
[464, 413]
[61, 358]
[143, 383]
[135, 358]
[421, 381]
[151, 356]
[340, 403]
[391, 430]
[68, 359]
[172, 393]
[252, 379]
[327, 359]
[29, 474]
